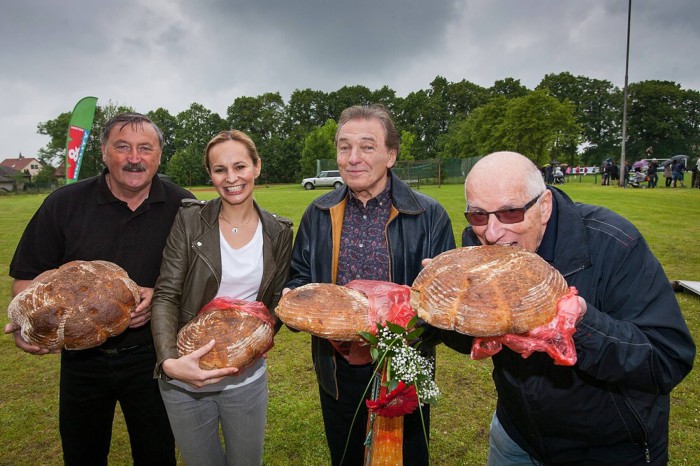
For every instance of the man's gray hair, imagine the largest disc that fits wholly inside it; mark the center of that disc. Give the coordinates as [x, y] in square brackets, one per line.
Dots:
[133, 119]
[370, 112]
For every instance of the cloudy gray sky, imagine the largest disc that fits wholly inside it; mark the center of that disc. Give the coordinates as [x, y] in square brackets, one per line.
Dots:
[169, 53]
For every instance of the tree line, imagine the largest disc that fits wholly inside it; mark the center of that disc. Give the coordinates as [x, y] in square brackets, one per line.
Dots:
[573, 119]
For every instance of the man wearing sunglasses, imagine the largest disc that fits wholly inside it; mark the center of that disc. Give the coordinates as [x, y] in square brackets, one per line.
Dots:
[632, 343]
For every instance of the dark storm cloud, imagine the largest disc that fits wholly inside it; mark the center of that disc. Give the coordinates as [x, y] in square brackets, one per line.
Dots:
[372, 30]
[171, 53]
[321, 44]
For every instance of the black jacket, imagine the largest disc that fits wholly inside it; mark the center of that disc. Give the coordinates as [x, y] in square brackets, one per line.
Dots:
[633, 347]
[418, 228]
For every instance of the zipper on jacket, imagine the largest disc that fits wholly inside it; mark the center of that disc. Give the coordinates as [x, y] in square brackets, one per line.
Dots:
[196, 245]
[642, 427]
[388, 243]
[568, 274]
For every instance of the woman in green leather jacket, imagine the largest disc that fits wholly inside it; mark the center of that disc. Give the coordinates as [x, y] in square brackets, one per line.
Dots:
[225, 247]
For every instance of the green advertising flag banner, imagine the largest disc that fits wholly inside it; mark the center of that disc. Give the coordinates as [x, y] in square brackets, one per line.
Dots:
[78, 132]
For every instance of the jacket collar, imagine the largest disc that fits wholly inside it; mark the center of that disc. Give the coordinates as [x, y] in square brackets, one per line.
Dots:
[402, 197]
[573, 252]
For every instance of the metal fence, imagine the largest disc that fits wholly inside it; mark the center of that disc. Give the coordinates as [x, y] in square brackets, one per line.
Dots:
[417, 172]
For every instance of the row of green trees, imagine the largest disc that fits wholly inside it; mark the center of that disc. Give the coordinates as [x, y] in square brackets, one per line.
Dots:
[569, 118]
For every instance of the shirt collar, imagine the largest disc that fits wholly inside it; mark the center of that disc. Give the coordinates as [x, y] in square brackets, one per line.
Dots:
[383, 197]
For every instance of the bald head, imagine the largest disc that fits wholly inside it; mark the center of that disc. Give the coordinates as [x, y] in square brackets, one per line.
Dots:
[509, 181]
[505, 171]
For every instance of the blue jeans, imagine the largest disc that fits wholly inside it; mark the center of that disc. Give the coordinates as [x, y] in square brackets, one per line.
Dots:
[503, 451]
[92, 382]
[195, 418]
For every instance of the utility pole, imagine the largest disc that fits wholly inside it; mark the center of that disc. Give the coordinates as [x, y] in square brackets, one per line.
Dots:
[624, 104]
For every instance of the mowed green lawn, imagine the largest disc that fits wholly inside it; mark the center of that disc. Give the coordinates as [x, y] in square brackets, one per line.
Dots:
[668, 218]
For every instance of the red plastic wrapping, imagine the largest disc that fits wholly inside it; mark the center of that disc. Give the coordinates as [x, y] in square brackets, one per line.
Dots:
[387, 302]
[554, 338]
[254, 308]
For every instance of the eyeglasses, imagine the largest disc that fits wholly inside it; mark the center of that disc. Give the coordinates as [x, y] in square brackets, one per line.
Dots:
[480, 218]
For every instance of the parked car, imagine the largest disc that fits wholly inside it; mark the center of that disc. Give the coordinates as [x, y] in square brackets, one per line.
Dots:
[327, 178]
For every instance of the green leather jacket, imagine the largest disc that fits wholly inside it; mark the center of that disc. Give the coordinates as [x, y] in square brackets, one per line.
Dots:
[190, 273]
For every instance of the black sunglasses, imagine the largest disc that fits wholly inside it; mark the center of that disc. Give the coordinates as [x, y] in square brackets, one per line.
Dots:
[516, 215]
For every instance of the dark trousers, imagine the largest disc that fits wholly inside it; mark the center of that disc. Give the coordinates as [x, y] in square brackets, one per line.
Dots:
[338, 419]
[653, 180]
[92, 382]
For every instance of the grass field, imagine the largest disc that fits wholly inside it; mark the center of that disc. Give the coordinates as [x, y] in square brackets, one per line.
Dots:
[668, 218]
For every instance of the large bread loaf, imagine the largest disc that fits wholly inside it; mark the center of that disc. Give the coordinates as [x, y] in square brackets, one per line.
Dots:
[488, 291]
[77, 306]
[326, 310]
[243, 331]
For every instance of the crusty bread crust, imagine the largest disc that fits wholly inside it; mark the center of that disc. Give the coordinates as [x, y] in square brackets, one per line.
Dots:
[77, 306]
[241, 338]
[326, 310]
[487, 291]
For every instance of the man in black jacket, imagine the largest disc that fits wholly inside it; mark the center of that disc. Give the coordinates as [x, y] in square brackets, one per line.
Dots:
[632, 343]
[375, 228]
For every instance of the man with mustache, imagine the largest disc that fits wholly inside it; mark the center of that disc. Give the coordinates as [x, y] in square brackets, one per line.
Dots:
[122, 216]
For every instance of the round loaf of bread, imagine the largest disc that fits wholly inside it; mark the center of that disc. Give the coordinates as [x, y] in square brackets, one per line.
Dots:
[326, 310]
[77, 306]
[488, 291]
[241, 336]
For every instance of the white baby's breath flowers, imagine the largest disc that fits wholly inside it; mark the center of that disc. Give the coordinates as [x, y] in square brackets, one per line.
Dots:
[407, 364]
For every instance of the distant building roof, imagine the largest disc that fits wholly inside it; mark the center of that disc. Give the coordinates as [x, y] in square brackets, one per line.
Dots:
[19, 164]
[60, 171]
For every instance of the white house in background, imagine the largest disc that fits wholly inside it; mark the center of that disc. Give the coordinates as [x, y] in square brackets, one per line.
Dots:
[29, 166]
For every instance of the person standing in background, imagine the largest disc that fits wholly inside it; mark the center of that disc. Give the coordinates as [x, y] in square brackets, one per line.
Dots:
[653, 177]
[668, 175]
[677, 174]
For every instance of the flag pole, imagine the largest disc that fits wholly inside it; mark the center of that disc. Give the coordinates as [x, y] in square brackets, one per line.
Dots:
[621, 181]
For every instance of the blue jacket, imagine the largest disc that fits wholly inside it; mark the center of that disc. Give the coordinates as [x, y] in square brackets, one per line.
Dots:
[633, 347]
[418, 228]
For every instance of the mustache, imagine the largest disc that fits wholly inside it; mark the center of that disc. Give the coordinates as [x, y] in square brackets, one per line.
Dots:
[134, 167]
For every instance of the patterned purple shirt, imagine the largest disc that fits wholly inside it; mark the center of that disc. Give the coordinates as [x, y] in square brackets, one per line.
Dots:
[363, 249]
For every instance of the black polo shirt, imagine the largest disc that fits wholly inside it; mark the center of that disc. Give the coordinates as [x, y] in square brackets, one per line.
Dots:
[84, 221]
